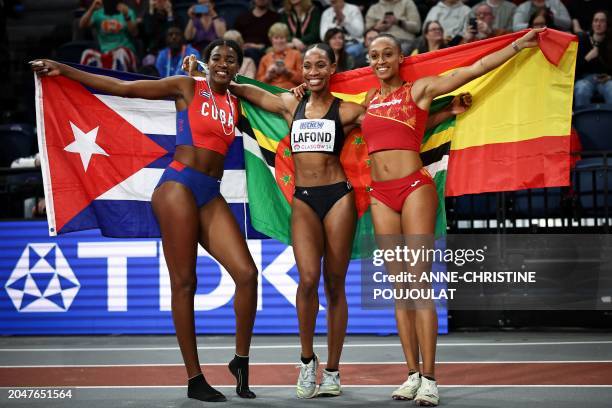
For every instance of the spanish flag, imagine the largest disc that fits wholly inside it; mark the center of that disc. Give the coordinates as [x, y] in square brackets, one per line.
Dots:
[515, 135]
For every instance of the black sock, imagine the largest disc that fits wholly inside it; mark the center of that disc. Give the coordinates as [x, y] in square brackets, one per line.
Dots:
[430, 378]
[306, 360]
[331, 370]
[239, 367]
[410, 372]
[198, 388]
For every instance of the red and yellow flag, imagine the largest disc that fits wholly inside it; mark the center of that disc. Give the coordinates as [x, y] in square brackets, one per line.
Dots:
[516, 134]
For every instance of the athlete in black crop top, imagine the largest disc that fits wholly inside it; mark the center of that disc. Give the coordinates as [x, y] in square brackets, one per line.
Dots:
[325, 135]
[323, 214]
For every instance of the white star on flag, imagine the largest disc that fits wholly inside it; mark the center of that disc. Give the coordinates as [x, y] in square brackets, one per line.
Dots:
[84, 144]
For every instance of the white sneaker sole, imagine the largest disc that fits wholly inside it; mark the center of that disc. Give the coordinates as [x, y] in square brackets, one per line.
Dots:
[307, 396]
[401, 397]
[422, 402]
[328, 393]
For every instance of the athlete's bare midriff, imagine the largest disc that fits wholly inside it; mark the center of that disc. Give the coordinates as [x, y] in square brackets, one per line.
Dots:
[317, 169]
[394, 164]
[203, 160]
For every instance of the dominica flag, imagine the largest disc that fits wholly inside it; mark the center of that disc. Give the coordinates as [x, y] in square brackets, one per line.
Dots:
[515, 135]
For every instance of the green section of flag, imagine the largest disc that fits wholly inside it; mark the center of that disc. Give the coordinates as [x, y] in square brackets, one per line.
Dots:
[440, 180]
[270, 211]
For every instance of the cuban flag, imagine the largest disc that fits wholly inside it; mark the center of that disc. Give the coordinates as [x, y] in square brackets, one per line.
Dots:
[103, 155]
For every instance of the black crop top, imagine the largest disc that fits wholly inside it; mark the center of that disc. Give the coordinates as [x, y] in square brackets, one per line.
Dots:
[325, 135]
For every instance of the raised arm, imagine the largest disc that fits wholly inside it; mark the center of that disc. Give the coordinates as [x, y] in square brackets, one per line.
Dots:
[174, 87]
[428, 88]
[282, 104]
[85, 20]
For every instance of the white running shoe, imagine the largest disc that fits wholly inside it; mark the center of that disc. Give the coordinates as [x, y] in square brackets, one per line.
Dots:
[427, 395]
[307, 380]
[330, 384]
[408, 389]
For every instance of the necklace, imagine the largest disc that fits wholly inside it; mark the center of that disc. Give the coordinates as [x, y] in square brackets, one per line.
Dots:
[229, 102]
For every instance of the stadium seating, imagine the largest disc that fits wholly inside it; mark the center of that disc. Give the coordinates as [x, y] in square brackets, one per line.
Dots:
[538, 202]
[230, 10]
[475, 207]
[594, 125]
[593, 182]
[18, 140]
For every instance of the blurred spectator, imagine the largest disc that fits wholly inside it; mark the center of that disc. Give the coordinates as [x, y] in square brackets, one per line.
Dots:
[334, 37]
[481, 26]
[424, 6]
[362, 58]
[594, 63]
[582, 11]
[303, 20]
[204, 24]
[432, 38]
[503, 11]
[452, 16]
[526, 10]
[281, 66]
[155, 22]
[349, 19]
[398, 17]
[254, 27]
[541, 18]
[113, 22]
[170, 59]
[248, 67]
[115, 28]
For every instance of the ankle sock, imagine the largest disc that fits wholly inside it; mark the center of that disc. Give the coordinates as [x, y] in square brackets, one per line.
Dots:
[198, 388]
[331, 370]
[430, 378]
[306, 360]
[239, 367]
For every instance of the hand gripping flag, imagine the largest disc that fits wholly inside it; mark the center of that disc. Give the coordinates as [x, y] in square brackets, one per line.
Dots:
[514, 136]
[102, 156]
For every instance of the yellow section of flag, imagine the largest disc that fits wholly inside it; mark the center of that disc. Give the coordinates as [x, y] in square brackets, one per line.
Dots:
[525, 98]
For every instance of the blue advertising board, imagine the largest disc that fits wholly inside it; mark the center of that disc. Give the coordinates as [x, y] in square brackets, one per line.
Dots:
[83, 283]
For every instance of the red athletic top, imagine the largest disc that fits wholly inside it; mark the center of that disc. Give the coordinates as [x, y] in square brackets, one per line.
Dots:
[394, 122]
[209, 121]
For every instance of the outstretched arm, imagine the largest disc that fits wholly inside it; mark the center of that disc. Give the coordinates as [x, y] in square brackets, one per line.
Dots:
[172, 87]
[426, 89]
[282, 104]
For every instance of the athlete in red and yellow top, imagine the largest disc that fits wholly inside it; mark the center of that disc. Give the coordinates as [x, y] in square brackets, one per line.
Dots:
[404, 201]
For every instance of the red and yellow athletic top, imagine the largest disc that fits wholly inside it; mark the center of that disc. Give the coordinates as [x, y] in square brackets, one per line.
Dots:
[394, 122]
[209, 121]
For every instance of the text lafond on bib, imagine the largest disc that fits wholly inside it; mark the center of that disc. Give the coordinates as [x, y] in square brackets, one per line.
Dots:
[313, 135]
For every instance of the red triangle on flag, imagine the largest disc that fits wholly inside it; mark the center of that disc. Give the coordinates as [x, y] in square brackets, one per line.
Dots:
[68, 107]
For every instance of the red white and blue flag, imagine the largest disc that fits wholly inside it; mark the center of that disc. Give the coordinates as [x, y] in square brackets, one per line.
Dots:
[102, 156]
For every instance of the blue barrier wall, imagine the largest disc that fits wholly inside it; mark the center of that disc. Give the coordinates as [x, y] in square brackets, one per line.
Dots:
[82, 283]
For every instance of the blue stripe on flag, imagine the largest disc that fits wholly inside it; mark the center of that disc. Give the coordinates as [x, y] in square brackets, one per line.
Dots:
[107, 216]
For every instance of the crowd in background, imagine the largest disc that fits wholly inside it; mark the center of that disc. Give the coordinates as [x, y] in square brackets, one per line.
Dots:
[151, 37]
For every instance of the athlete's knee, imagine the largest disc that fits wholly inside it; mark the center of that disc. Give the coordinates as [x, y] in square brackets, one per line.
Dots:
[246, 276]
[184, 284]
[309, 284]
[335, 290]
